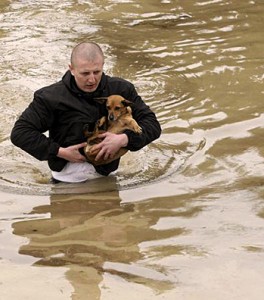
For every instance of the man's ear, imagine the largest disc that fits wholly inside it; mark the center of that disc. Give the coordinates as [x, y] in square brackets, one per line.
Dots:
[71, 69]
[100, 100]
[126, 102]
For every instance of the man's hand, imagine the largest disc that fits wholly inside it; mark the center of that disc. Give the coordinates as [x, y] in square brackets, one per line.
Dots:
[110, 145]
[72, 153]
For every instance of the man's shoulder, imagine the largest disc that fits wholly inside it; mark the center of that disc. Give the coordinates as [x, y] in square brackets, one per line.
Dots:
[121, 86]
[52, 92]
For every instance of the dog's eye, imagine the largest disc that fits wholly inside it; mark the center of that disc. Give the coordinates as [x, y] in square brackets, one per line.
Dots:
[117, 108]
[108, 107]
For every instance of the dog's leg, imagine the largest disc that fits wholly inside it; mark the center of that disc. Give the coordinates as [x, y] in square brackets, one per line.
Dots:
[134, 126]
[102, 122]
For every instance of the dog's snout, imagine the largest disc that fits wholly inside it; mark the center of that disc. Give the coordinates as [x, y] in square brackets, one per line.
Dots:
[111, 117]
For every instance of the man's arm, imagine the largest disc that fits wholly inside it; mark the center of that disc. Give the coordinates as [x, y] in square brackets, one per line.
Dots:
[28, 131]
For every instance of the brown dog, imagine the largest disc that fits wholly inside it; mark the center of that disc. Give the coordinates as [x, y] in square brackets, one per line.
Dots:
[119, 118]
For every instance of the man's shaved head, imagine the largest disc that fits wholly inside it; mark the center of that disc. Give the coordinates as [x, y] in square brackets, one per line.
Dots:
[88, 51]
[87, 61]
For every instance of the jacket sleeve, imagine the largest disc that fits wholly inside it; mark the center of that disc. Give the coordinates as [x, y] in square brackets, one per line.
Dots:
[28, 131]
[146, 119]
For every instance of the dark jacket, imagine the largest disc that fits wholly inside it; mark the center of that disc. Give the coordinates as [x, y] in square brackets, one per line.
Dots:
[62, 109]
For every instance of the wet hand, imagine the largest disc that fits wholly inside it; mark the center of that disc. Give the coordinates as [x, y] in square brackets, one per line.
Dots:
[110, 145]
[72, 153]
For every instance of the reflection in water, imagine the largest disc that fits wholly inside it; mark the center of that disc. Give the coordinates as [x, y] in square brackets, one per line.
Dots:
[97, 234]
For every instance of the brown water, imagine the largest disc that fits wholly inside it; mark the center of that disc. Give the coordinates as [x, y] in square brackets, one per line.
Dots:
[182, 218]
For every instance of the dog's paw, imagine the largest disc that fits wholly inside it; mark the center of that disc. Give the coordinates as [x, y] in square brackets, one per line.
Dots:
[138, 129]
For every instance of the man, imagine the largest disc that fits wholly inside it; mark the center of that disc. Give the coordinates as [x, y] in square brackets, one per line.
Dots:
[65, 107]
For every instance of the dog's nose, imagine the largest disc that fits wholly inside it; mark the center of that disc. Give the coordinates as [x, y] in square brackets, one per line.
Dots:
[111, 117]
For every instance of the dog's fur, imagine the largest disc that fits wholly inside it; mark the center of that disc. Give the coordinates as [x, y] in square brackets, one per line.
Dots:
[119, 118]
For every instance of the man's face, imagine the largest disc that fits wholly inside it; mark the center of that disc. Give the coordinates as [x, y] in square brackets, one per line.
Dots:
[87, 74]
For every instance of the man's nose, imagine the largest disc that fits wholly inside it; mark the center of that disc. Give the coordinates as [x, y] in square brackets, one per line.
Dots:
[91, 78]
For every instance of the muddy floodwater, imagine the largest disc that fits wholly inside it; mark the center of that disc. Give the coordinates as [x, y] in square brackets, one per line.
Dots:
[183, 218]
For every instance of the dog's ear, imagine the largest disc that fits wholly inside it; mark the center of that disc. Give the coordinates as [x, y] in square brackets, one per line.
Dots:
[100, 100]
[88, 129]
[126, 103]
